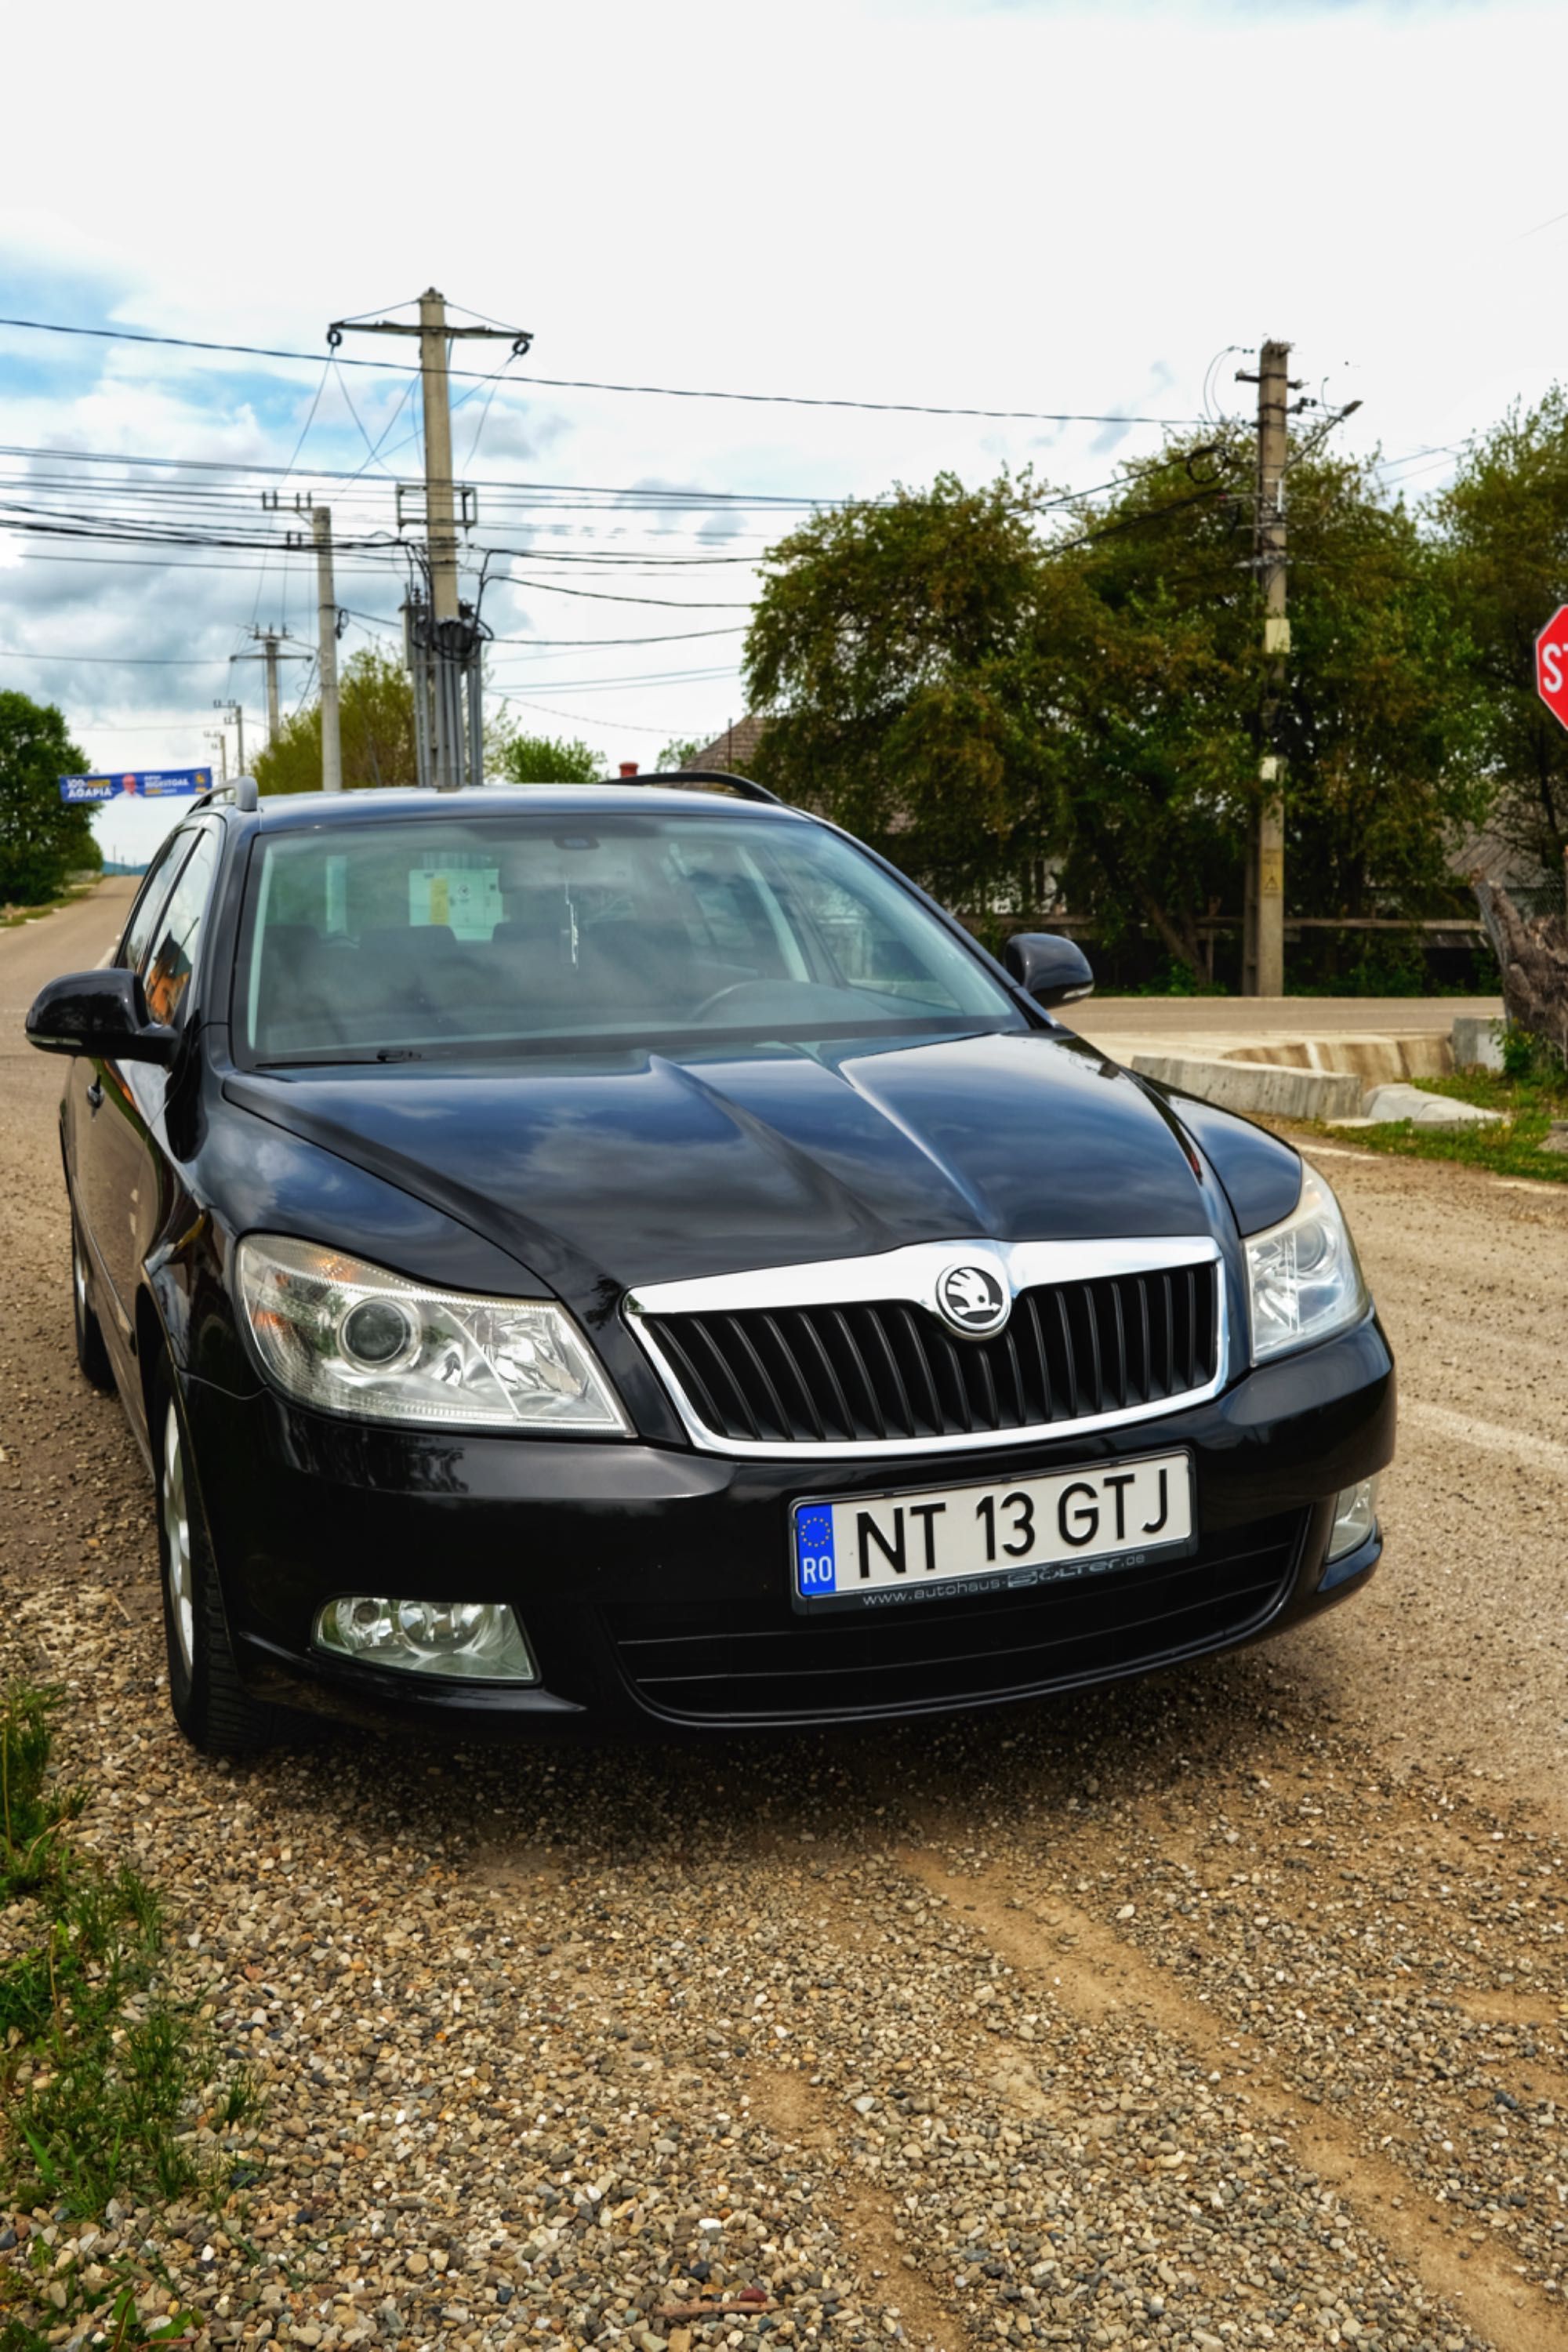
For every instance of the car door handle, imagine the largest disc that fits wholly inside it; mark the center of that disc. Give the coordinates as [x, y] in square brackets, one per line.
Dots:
[95, 1095]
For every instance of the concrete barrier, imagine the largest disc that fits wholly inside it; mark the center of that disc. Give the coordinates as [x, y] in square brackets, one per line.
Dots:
[1274, 1088]
[1377, 1060]
[1387, 1103]
[1478, 1044]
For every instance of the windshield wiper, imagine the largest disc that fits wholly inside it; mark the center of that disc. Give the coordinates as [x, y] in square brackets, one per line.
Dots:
[345, 1061]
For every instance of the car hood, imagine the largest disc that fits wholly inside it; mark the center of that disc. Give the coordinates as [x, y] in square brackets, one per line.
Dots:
[632, 1168]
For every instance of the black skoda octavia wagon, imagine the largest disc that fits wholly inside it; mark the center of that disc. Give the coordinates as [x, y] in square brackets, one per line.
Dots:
[592, 1255]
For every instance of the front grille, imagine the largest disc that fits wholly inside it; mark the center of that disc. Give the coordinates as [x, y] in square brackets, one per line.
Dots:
[892, 1371]
[762, 1662]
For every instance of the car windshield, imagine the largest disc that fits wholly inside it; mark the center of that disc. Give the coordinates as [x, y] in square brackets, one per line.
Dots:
[438, 936]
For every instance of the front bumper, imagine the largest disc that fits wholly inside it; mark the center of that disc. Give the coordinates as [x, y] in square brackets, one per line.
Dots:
[654, 1582]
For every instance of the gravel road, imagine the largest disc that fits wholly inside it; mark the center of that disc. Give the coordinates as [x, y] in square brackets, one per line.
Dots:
[1226, 2010]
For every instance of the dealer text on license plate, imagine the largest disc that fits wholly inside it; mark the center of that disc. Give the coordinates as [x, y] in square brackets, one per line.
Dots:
[880, 1549]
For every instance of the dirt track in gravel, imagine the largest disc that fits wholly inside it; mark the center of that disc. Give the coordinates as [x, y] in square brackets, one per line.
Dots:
[1225, 2010]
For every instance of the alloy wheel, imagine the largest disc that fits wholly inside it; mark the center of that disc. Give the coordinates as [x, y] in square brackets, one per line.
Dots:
[180, 1569]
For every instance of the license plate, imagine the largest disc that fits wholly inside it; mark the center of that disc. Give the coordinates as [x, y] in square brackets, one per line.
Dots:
[928, 1543]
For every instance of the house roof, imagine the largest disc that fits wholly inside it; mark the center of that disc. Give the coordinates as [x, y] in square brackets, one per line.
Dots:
[733, 750]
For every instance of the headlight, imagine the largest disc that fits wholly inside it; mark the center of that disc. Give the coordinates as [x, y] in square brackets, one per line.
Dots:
[1302, 1275]
[352, 1338]
[1356, 1518]
[476, 1641]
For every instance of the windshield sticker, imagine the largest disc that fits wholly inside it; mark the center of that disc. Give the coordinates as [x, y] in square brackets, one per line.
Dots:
[466, 898]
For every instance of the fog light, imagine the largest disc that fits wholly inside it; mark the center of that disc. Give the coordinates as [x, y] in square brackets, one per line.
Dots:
[1356, 1518]
[477, 1640]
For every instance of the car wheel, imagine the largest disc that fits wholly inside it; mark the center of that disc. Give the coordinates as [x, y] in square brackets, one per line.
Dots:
[210, 1704]
[91, 1354]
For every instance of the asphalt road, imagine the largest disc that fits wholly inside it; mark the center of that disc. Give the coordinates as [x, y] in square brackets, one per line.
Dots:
[1221, 2011]
[1184, 1020]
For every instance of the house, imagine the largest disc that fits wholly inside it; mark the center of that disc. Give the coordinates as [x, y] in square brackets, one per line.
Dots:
[733, 751]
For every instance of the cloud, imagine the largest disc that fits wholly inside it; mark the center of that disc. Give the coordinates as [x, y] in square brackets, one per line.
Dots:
[1008, 205]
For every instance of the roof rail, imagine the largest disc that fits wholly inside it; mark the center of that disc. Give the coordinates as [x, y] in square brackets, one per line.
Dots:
[740, 786]
[241, 789]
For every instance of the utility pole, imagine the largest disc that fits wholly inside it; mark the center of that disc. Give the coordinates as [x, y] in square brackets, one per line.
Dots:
[270, 641]
[219, 742]
[1263, 947]
[236, 712]
[327, 650]
[450, 636]
[440, 518]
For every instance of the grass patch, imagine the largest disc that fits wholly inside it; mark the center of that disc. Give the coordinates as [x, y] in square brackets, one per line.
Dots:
[1530, 1092]
[10, 917]
[101, 2071]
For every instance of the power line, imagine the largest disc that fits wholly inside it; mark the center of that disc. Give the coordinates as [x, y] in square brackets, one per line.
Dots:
[1539, 227]
[608, 595]
[180, 724]
[589, 383]
[484, 413]
[374, 448]
[582, 718]
[621, 493]
[406, 395]
[139, 506]
[122, 661]
[669, 638]
[363, 561]
[287, 469]
[616, 685]
[673, 637]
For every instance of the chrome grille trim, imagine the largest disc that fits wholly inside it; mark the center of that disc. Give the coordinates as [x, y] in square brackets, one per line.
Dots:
[910, 1277]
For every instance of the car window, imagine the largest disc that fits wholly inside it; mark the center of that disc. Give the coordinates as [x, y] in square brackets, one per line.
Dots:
[152, 899]
[423, 936]
[170, 958]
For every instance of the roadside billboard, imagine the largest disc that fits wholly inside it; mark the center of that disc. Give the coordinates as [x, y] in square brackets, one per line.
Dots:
[137, 784]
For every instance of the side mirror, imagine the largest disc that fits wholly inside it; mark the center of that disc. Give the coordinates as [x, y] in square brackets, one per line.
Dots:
[1053, 969]
[101, 1012]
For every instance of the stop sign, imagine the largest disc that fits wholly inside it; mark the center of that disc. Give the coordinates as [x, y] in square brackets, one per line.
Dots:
[1551, 665]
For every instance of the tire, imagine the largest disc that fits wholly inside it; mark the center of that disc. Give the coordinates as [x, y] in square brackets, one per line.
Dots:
[210, 1703]
[91, 1355]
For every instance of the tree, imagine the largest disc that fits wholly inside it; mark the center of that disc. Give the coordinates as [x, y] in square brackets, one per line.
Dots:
[1532, 950]
[997, 683]
[1503, 527]
[375, 722]
[42, 840]
[883, 649]
[681, 751]
[537, 758]
[1376, 728]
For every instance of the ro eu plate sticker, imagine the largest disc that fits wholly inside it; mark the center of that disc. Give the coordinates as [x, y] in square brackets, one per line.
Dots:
[817, 1573]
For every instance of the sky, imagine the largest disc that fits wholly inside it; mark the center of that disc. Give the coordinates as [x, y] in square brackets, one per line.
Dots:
[1093, 212]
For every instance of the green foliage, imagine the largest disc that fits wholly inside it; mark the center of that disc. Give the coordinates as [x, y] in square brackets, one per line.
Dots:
[101, 2068]
[1503, 534]
[41, 840]
[1531, 1102]
[32, 1813]
[117, 2324]
[1016, 698]
[681, 750]
[884, 647]
[1381, 730]
[537, 759]
[375, 729]
[1363, 963]
[1532, 1062]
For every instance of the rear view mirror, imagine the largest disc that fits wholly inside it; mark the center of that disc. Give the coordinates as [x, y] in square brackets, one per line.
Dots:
[101, 1012]
[1053, 969]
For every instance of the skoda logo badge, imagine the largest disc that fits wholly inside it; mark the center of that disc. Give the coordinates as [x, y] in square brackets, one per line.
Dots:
[973, 1300]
